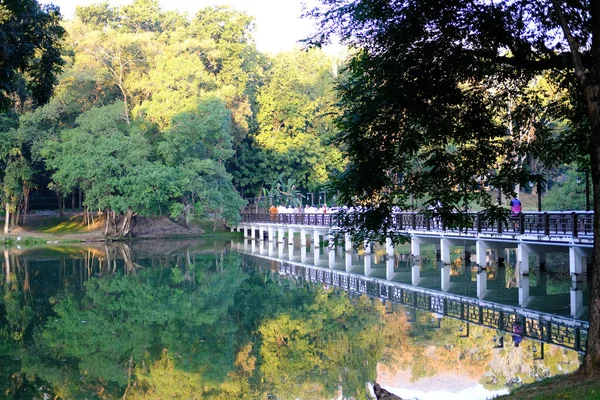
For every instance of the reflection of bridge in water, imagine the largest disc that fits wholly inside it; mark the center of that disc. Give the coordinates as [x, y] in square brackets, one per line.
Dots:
[473, 279]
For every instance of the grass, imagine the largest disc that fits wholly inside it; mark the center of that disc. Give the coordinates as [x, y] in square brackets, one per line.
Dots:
[72, 224]
[566, 387]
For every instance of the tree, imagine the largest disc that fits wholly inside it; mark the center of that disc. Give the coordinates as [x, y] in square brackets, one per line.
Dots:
[295, 117]
[30, 52]
[424, 89]
[110, 160]
[198, 144]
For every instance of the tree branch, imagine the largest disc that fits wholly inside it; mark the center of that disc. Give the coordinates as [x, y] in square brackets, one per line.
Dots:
[580, 72]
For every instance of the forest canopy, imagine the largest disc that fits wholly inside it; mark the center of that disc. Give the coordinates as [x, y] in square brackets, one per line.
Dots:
[156, 113]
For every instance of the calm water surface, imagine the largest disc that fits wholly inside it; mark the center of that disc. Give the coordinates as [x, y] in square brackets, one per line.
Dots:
[198, 320]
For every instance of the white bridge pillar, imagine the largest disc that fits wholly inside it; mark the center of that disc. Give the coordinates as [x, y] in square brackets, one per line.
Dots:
[389, 247]
[347, 242]
[270, 234]
[415, 249]
[367, 246]
[523, 252]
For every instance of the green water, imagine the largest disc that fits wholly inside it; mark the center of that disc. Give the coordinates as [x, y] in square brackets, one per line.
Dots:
[197, 320]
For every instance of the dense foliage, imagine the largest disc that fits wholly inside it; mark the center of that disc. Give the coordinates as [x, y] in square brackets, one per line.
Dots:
[159, 114]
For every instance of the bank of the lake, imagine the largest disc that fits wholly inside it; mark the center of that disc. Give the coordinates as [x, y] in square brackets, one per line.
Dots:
[568, 387]
[49, 227]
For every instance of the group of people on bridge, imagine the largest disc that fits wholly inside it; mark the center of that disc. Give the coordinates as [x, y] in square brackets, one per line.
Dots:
[281, 209]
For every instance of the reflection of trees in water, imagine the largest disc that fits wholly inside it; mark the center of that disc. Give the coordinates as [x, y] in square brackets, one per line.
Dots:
[193, 325]
[422, 349]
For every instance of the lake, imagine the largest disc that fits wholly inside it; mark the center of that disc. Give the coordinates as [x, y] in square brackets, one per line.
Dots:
[194, 319]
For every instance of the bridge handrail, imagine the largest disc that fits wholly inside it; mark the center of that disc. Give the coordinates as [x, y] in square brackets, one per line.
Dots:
[555, 223]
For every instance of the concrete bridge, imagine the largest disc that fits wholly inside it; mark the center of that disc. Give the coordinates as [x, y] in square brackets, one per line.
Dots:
[484, 244]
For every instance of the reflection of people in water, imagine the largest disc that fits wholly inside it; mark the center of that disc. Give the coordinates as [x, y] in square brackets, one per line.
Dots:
[517, 335]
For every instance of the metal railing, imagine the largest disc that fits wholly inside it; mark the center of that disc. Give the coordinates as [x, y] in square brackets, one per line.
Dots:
[573, 224]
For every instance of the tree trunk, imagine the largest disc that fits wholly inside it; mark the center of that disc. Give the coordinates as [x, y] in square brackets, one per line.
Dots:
[26, 191]
[591, 362]
[6, 218]
[107, 223]
[17, 215]
[127, 223]
[80, 200]
[60, 203]
[73, 201]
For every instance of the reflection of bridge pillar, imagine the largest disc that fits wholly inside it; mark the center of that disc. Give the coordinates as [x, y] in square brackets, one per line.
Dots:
[415, 249]
[576, 301]
[389, 247]
[252, 245]
[280, 235]
[303, 237]
[302, 254]
[389, 268]
[331, 253]
[316, 255]
[523, 252]
[445, 271]
[541, 261]
[416, 273]
[445, 251]
[481, 283]
[368, 264]
[271, 248]
[347, 242]
[261, 247]
[523, 290]
[348, 261]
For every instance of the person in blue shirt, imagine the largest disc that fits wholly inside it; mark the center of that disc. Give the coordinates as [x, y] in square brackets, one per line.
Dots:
[515, 207]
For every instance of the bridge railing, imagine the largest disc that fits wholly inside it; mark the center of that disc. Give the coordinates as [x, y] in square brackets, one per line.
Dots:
[572, 223]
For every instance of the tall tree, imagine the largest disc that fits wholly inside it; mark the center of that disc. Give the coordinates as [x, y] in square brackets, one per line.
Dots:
[424, 89]
[30, 50]
[295, 118]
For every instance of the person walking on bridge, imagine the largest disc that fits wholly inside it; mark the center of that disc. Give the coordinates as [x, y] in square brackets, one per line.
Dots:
[515, 207]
